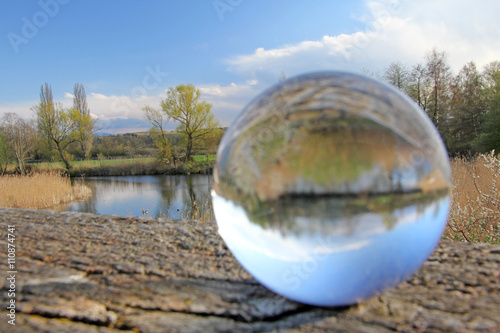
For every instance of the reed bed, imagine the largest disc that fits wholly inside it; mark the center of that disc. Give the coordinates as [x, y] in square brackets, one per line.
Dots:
[475, 200]
[199, 212]
[39, 190]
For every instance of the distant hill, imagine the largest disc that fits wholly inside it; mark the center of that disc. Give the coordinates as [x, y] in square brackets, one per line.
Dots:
[123, 125]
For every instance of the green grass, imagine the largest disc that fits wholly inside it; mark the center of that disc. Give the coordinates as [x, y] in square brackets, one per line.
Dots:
[128, 166]
[93, 163]
[203, 158]
[113, 162]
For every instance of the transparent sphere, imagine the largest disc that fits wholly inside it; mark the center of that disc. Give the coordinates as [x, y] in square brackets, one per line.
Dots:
[331, 187]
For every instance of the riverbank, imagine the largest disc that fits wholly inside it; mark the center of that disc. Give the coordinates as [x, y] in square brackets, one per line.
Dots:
[128, 167]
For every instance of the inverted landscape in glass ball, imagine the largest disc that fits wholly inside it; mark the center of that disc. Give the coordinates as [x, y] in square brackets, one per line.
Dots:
[331, 187]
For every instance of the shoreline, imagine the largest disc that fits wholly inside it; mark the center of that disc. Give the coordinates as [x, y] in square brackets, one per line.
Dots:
[123, 167]
[119, 171]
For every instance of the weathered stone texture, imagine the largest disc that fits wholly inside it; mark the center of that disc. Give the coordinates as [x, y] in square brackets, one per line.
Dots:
[94, 273]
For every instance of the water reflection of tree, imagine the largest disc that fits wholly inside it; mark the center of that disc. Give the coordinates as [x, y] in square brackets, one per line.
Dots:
[289, 215]
[89, 204]
[192, 190]
[174, 192]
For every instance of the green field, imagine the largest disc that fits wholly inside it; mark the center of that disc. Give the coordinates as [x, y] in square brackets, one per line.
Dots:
[127, 166]
[93, 163]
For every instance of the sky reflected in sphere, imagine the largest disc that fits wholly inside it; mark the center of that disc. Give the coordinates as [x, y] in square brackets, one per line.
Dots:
[331, 187]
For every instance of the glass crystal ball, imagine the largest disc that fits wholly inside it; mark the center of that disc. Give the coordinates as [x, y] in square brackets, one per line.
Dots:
[331, 187]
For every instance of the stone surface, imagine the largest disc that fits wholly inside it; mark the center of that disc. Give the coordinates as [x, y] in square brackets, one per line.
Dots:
[94, 273]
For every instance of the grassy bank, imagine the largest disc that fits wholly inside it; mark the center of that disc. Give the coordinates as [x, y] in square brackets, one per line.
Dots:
[128, 167]
[475, 206]
[39, 191]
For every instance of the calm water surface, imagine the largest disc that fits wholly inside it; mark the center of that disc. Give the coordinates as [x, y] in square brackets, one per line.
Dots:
[173, 197]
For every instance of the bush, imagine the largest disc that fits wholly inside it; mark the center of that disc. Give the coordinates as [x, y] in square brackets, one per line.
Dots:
[475, 206]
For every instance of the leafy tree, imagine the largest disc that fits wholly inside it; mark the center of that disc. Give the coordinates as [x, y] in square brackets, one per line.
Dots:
[196, 121]
[489, 138]
[490, 74]
[158, 133]
[212, 141]
[5, 154]
[19, 135]
[58, 125]
[465, 109]
[42, 149]
[468, 103]
[86, 125]
[490, 83]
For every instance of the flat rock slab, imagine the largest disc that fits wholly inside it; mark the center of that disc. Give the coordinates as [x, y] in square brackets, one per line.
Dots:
[81, 272]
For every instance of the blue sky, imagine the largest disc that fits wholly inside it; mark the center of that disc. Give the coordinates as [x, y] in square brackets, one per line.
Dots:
[127, 53]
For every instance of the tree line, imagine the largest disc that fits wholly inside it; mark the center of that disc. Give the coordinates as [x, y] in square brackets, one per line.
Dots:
[52, 131]
[56, 133]
[465, 107]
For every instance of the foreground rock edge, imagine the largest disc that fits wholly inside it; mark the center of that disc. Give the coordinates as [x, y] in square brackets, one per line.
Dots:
[102, 273]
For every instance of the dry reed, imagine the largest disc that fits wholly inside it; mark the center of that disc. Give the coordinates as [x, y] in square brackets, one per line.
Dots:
[475, 204]
[201, 213]
[39, 190]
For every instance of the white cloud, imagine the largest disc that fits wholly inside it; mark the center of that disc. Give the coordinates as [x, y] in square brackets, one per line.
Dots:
[390, 30]
[229, 100]
[393, 31]
[23, 109]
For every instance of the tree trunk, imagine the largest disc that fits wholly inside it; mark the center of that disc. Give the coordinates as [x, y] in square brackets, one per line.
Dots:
[21, 166]
[84, 150]
[189, 148]
[79, 272]
[61, 152]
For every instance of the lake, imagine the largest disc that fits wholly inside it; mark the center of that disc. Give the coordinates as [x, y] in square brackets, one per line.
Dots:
[170, 196]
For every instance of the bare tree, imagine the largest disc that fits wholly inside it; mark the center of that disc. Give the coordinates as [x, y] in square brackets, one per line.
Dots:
[46, 94]
[439, 74]
[86, 125]
[80, 99]
[19, 135]
[419, 86]
[398, 75]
